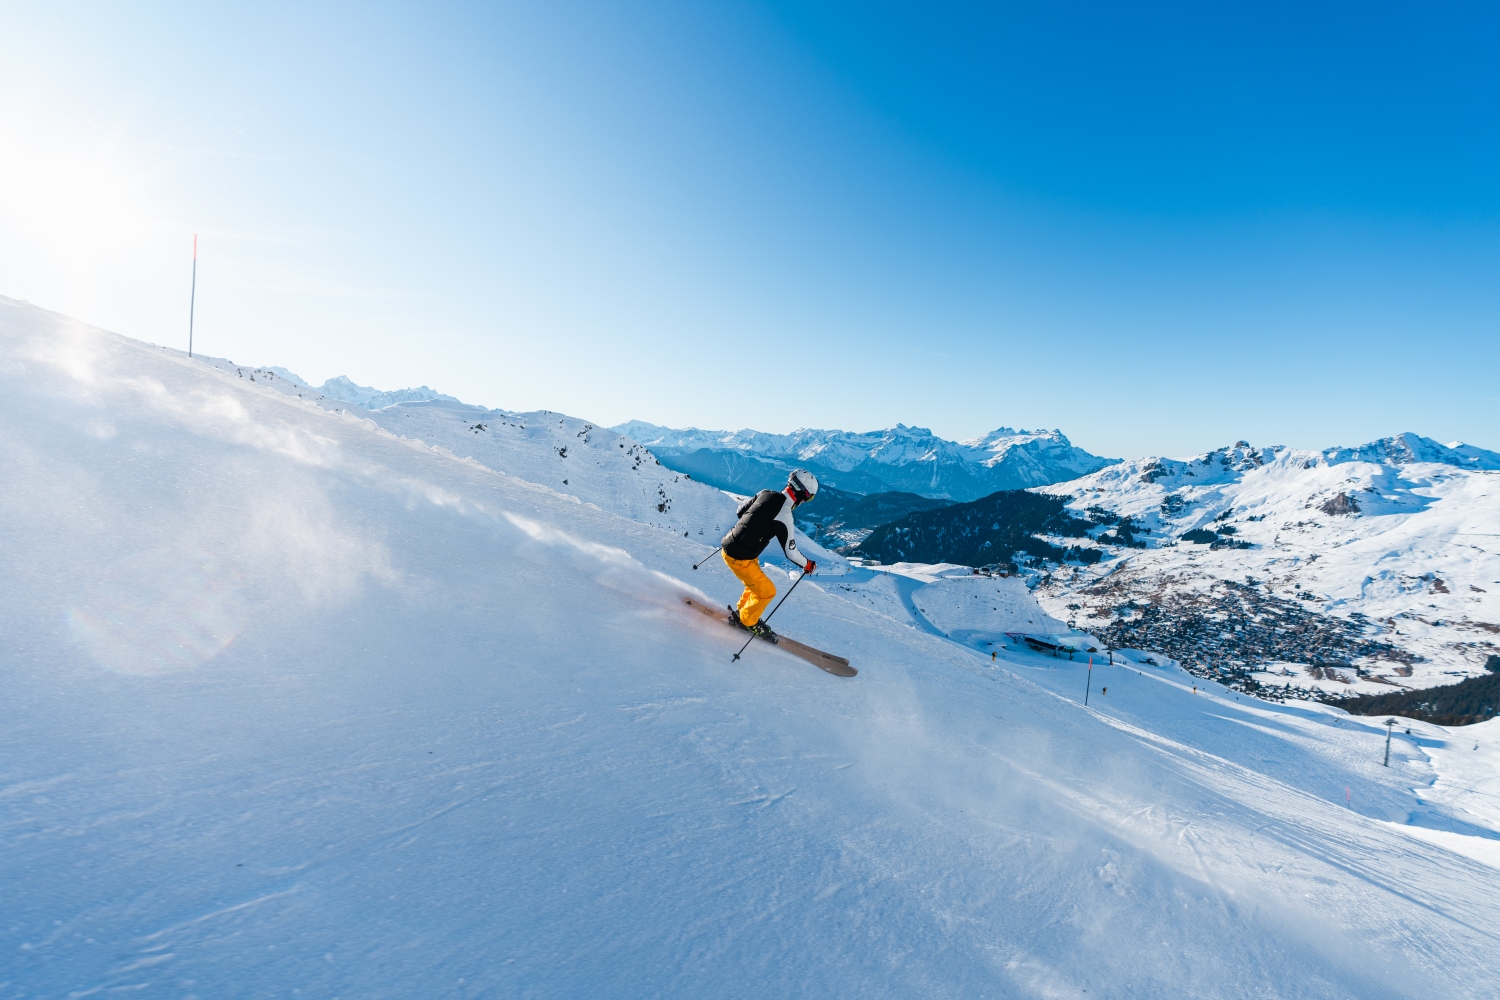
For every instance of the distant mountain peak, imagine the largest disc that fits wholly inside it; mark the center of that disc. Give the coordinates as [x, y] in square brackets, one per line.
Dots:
[344, 388]
[1409, 448]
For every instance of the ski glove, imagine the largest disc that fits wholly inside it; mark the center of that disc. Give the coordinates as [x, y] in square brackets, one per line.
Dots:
[811, 565]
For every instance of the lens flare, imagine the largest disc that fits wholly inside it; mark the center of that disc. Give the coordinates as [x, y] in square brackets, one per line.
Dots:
[161, 611]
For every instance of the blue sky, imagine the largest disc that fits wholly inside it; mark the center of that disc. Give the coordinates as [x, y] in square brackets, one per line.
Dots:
[1157, 227]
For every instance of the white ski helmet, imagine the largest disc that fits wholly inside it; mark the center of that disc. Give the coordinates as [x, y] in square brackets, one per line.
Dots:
[803, 484]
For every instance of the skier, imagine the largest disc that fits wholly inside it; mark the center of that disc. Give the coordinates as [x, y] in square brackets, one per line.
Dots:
[764, 516]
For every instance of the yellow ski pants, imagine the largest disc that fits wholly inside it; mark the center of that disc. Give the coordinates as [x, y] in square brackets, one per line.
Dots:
[758, 588]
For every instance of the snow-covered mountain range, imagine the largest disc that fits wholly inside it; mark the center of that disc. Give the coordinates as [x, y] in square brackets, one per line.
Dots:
[341, 388]
[1346, 570]
[1317, 614]
[901, 458]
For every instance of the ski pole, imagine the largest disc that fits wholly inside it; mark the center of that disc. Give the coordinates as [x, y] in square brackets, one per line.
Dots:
[710, 556]
[773, 611]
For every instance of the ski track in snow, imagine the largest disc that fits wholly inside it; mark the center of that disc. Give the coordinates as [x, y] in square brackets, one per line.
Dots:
[292, 704]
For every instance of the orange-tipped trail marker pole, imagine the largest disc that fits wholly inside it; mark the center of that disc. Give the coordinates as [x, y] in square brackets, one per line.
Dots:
[1090, 682]
[193, 295]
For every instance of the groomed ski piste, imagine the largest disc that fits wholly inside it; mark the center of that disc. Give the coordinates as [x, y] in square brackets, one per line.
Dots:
[293, 703]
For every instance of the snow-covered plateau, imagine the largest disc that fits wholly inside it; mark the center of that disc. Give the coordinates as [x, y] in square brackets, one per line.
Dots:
[302, 699]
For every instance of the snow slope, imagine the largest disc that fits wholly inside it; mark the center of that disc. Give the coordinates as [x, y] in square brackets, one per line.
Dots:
[291, 705]
[901, 458]
[974, 608]
[572, 456]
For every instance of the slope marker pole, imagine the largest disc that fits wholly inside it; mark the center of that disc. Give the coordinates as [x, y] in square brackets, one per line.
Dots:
[193, 295]
[1090, 683]
[768, 617]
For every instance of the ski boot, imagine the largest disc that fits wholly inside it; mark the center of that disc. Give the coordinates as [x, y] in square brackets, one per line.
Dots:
[763, 631]
[734, 619]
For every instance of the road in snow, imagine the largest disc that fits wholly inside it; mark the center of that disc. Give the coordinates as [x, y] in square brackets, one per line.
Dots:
[293, 706]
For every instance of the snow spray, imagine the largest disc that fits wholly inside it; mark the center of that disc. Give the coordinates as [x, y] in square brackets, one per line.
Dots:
[612, 567]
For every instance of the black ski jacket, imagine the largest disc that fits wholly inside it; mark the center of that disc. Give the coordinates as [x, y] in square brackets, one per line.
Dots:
[764, 516]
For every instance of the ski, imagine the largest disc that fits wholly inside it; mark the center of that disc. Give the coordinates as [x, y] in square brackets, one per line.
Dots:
[836, 665]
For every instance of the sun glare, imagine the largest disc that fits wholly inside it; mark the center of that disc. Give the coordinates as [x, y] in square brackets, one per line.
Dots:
[78, 215]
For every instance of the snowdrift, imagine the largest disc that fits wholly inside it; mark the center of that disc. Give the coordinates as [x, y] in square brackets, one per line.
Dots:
[293, 704]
